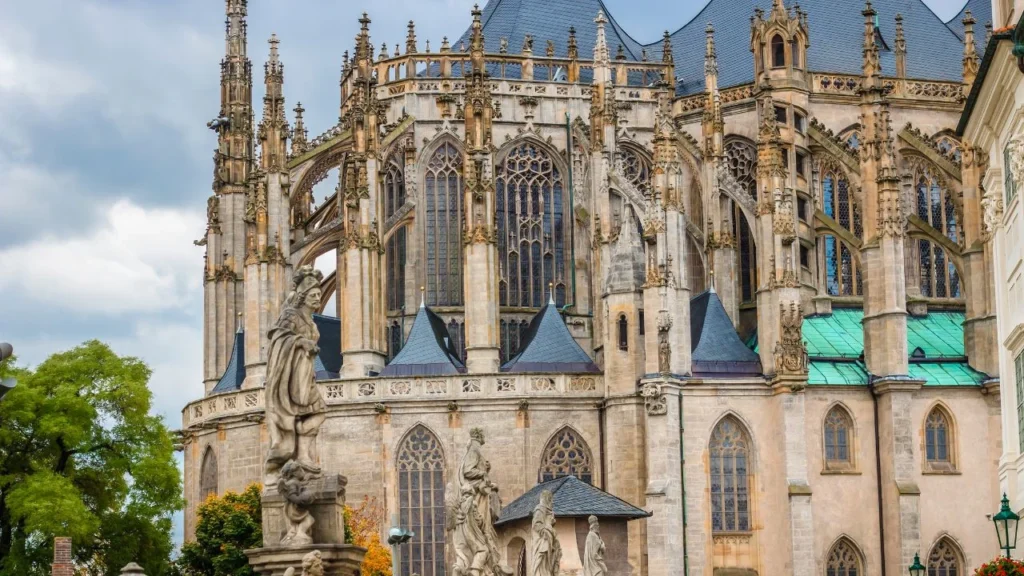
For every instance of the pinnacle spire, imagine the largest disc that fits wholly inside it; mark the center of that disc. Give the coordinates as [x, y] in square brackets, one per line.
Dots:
[871, 65]
[601, 44]
[410, 39]
[970, 51]
[900, 48]
[710, 55]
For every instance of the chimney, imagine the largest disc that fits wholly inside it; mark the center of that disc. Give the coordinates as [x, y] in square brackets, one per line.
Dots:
[62, 565]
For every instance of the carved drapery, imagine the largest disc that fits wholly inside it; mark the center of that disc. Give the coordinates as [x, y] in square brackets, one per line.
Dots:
[531, 227]
[421, 502]
[442, 184]
[566, 455]
[730, 477]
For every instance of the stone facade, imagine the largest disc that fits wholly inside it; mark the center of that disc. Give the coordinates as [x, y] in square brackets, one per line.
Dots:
[792, 195]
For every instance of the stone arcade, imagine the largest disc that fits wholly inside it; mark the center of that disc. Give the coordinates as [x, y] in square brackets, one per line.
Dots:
[735, 278]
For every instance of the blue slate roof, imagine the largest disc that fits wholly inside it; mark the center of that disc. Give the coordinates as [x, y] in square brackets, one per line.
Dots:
[573, 498]
[981, 10]
[234, 373]
[549, 347]
[428, 351]
[934, 50]
[717, 348]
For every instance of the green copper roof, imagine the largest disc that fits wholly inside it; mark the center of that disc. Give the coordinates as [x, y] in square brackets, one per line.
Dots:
[838, 335]
[824, 372]
[946, 373]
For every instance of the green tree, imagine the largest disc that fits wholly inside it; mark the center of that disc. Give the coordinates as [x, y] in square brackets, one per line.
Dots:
[81, 456]
[227, 526]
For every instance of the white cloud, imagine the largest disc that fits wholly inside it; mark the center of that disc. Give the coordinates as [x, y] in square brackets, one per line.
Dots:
[141, 260]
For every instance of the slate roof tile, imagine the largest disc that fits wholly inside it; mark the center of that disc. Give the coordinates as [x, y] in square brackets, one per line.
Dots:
[428, 351]
[573, 498]
[549, 347]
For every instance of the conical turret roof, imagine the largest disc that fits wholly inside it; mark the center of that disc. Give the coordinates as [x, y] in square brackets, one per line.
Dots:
[428, 351]
[549, 347]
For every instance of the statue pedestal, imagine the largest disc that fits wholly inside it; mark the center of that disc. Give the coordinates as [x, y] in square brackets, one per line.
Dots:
[338, 559]
[327, 510]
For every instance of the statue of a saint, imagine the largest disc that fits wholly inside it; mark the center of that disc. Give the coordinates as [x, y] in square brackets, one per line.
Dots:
[295, 409]
[293, 484]
[593, 554]
[312, 565]
[474, 540]
[547, 552]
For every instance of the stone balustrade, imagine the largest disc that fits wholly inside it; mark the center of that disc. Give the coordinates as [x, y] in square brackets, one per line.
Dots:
[419, 388]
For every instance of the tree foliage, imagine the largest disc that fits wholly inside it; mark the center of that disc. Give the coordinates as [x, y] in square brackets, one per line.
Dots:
[226, 527]
[363, 528]
[81, 456]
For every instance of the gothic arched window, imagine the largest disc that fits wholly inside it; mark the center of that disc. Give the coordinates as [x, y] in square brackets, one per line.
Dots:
[442, 184]
[208, 475]
[566, 455]
[636, 168]
[394, 250]
[934, 201]
[948, 146]
[778, 52]
[742, 159]
[396, 339]
[944, 559]
[421, 502]
[623, 328]
[512, 334]
[938, 440]
[838, 439]
[730, 477]
[531, 228]
[842, 275]
[457, 332]
[843, 560]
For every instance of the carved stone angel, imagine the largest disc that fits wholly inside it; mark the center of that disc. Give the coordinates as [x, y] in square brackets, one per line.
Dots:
[312, 565]
[593, 554]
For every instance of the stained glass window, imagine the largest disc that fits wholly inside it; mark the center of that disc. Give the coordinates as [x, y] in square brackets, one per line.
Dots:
[838, 439]
[742, 159]
[566, 455]
[842, 275]
[938, 440]
[394, 250]
[208, 475]
[513, 333]
[934, 200]
[531, 228]
[730, 477]
[442, 184]
[421, 502]
[843, 560]
[944, 559]
[636, 168]
[396, 339]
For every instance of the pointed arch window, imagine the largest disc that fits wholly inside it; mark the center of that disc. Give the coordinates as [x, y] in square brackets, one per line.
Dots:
[531, 227]
[742, 160]
[442, 184]
[457, 333]
[623, 332]
[842, 274]
[566, 455]
[939, 441]
[945, 559]
[421, 502]
[730, 477]
[778, 52]
[513, 333]
[636, 167]
[396, 339]
[843, 560]
[934, 204]
[208, 475]
[838, 439]
[395, 248]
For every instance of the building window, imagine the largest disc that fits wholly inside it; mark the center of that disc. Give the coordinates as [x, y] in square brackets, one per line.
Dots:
[640, 321]
[1010, 184]
[566, 455]
[457, 334]
[513, 333]
[801, 163]
[394, 256]
[842, 275]
[636, 167]
[944, 559]
[623, 332]
[801, 209]
[730, 477]
[531, 228]
[443, 197]
[938, 441]
[804, 257]
[852, 139]
[396, 339]
[421, 502]
[742, 160]
[838, 439]
[780, 114]
[949, 147]
[208, 475]
[934, 200]
[800, 122]
[1018, 365]
[794, 49]
[843, 560]
[778, 52]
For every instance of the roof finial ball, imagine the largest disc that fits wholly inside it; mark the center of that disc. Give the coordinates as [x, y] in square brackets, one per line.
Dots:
[551, 293]
[423, 299]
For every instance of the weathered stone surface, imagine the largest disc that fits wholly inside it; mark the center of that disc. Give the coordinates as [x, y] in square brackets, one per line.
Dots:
[326, 508]
[337, 559]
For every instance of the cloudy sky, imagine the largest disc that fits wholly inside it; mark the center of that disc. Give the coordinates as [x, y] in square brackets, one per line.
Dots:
[105, 160]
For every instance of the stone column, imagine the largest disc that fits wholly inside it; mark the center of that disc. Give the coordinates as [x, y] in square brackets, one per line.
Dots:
[664, 491]
[801, 520]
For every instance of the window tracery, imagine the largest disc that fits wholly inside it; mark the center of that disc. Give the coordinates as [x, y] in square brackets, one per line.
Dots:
[396, 339]
[636, 167]
[938, 438]
[457, 333]
[566, 455]
[949, 146]
[843, 560]
[421, 502]
[442, 185]
[838, 439]
[531, 228]
[933, 202]
[208, 475]
[395, 259]
[944, 559]
[741, 156]
[842, 274]
[513, 333]
[730, 481]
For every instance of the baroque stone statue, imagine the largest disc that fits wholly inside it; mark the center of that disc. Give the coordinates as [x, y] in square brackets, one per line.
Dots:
[593, 553]
[293, 484]
[472, 516]
[312, 565]
[547, 552]
[295, 409]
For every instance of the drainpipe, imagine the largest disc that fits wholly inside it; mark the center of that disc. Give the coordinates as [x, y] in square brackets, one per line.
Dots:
[682, 481]
[572, 213]
[878, 483]
[601, 439]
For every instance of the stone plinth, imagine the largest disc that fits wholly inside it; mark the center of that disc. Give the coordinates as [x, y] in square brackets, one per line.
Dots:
[327, 510]
[338, 559]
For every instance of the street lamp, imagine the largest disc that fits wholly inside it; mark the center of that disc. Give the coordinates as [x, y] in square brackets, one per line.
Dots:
[1006, 526]
[396, 537]
[916, 569]
[6, 351]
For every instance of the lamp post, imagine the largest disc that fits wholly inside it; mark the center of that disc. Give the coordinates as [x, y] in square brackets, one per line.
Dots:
[6, 351]
[396, 537]
[1006, 526]
[916, 569]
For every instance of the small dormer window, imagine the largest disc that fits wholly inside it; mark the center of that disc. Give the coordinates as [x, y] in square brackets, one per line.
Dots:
[794, 49]
[778, 52]
[918, 354]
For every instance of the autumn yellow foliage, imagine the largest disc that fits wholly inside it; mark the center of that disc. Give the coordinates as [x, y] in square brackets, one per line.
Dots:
[363, 528]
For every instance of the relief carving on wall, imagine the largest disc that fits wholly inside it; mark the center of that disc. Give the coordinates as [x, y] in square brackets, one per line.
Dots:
[790, 352]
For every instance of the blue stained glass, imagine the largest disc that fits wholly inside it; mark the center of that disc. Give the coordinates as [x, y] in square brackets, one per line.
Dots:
[831, 266]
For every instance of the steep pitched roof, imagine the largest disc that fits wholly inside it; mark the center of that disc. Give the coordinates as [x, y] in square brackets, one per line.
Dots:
[549, 347]
[717, 348]
[573, 498]
[981, 10]
[428, 351]
[234, 373]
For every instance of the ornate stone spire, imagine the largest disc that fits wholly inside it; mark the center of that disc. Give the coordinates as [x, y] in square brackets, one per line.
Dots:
[476, 42]
[871, 64]
[601, 44]
[574, 51]
[970, 52]
[410, 39]
[445, 46]
[666, 49]
[299, 133]
[900, 49]
[710, 56]
[273, 128]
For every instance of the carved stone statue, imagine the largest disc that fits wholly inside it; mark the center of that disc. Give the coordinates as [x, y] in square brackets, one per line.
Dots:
[312, 565]
[474, 540]
[547, 552]
[295, 409]
[293, 484]
[593, 553]
[664, 353]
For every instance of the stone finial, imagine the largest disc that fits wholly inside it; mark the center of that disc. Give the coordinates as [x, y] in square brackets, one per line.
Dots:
[503, 45]
[383, 51]
[132, 569]
[574, 52]
[274, 42]
[710, 55]
[550, 50]
[620, 54]
[410, 39]
[528, 44]
[643, 55]
[970, 51]
[427, 49]
[871, 64]
[445, 46]
[900, 49]
[601, 44]
[666, 48]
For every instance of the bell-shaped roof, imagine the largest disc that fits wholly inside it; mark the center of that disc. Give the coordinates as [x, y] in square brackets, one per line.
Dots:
[717, 348]
[549, 347]
[234, 373]
[428, 351]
